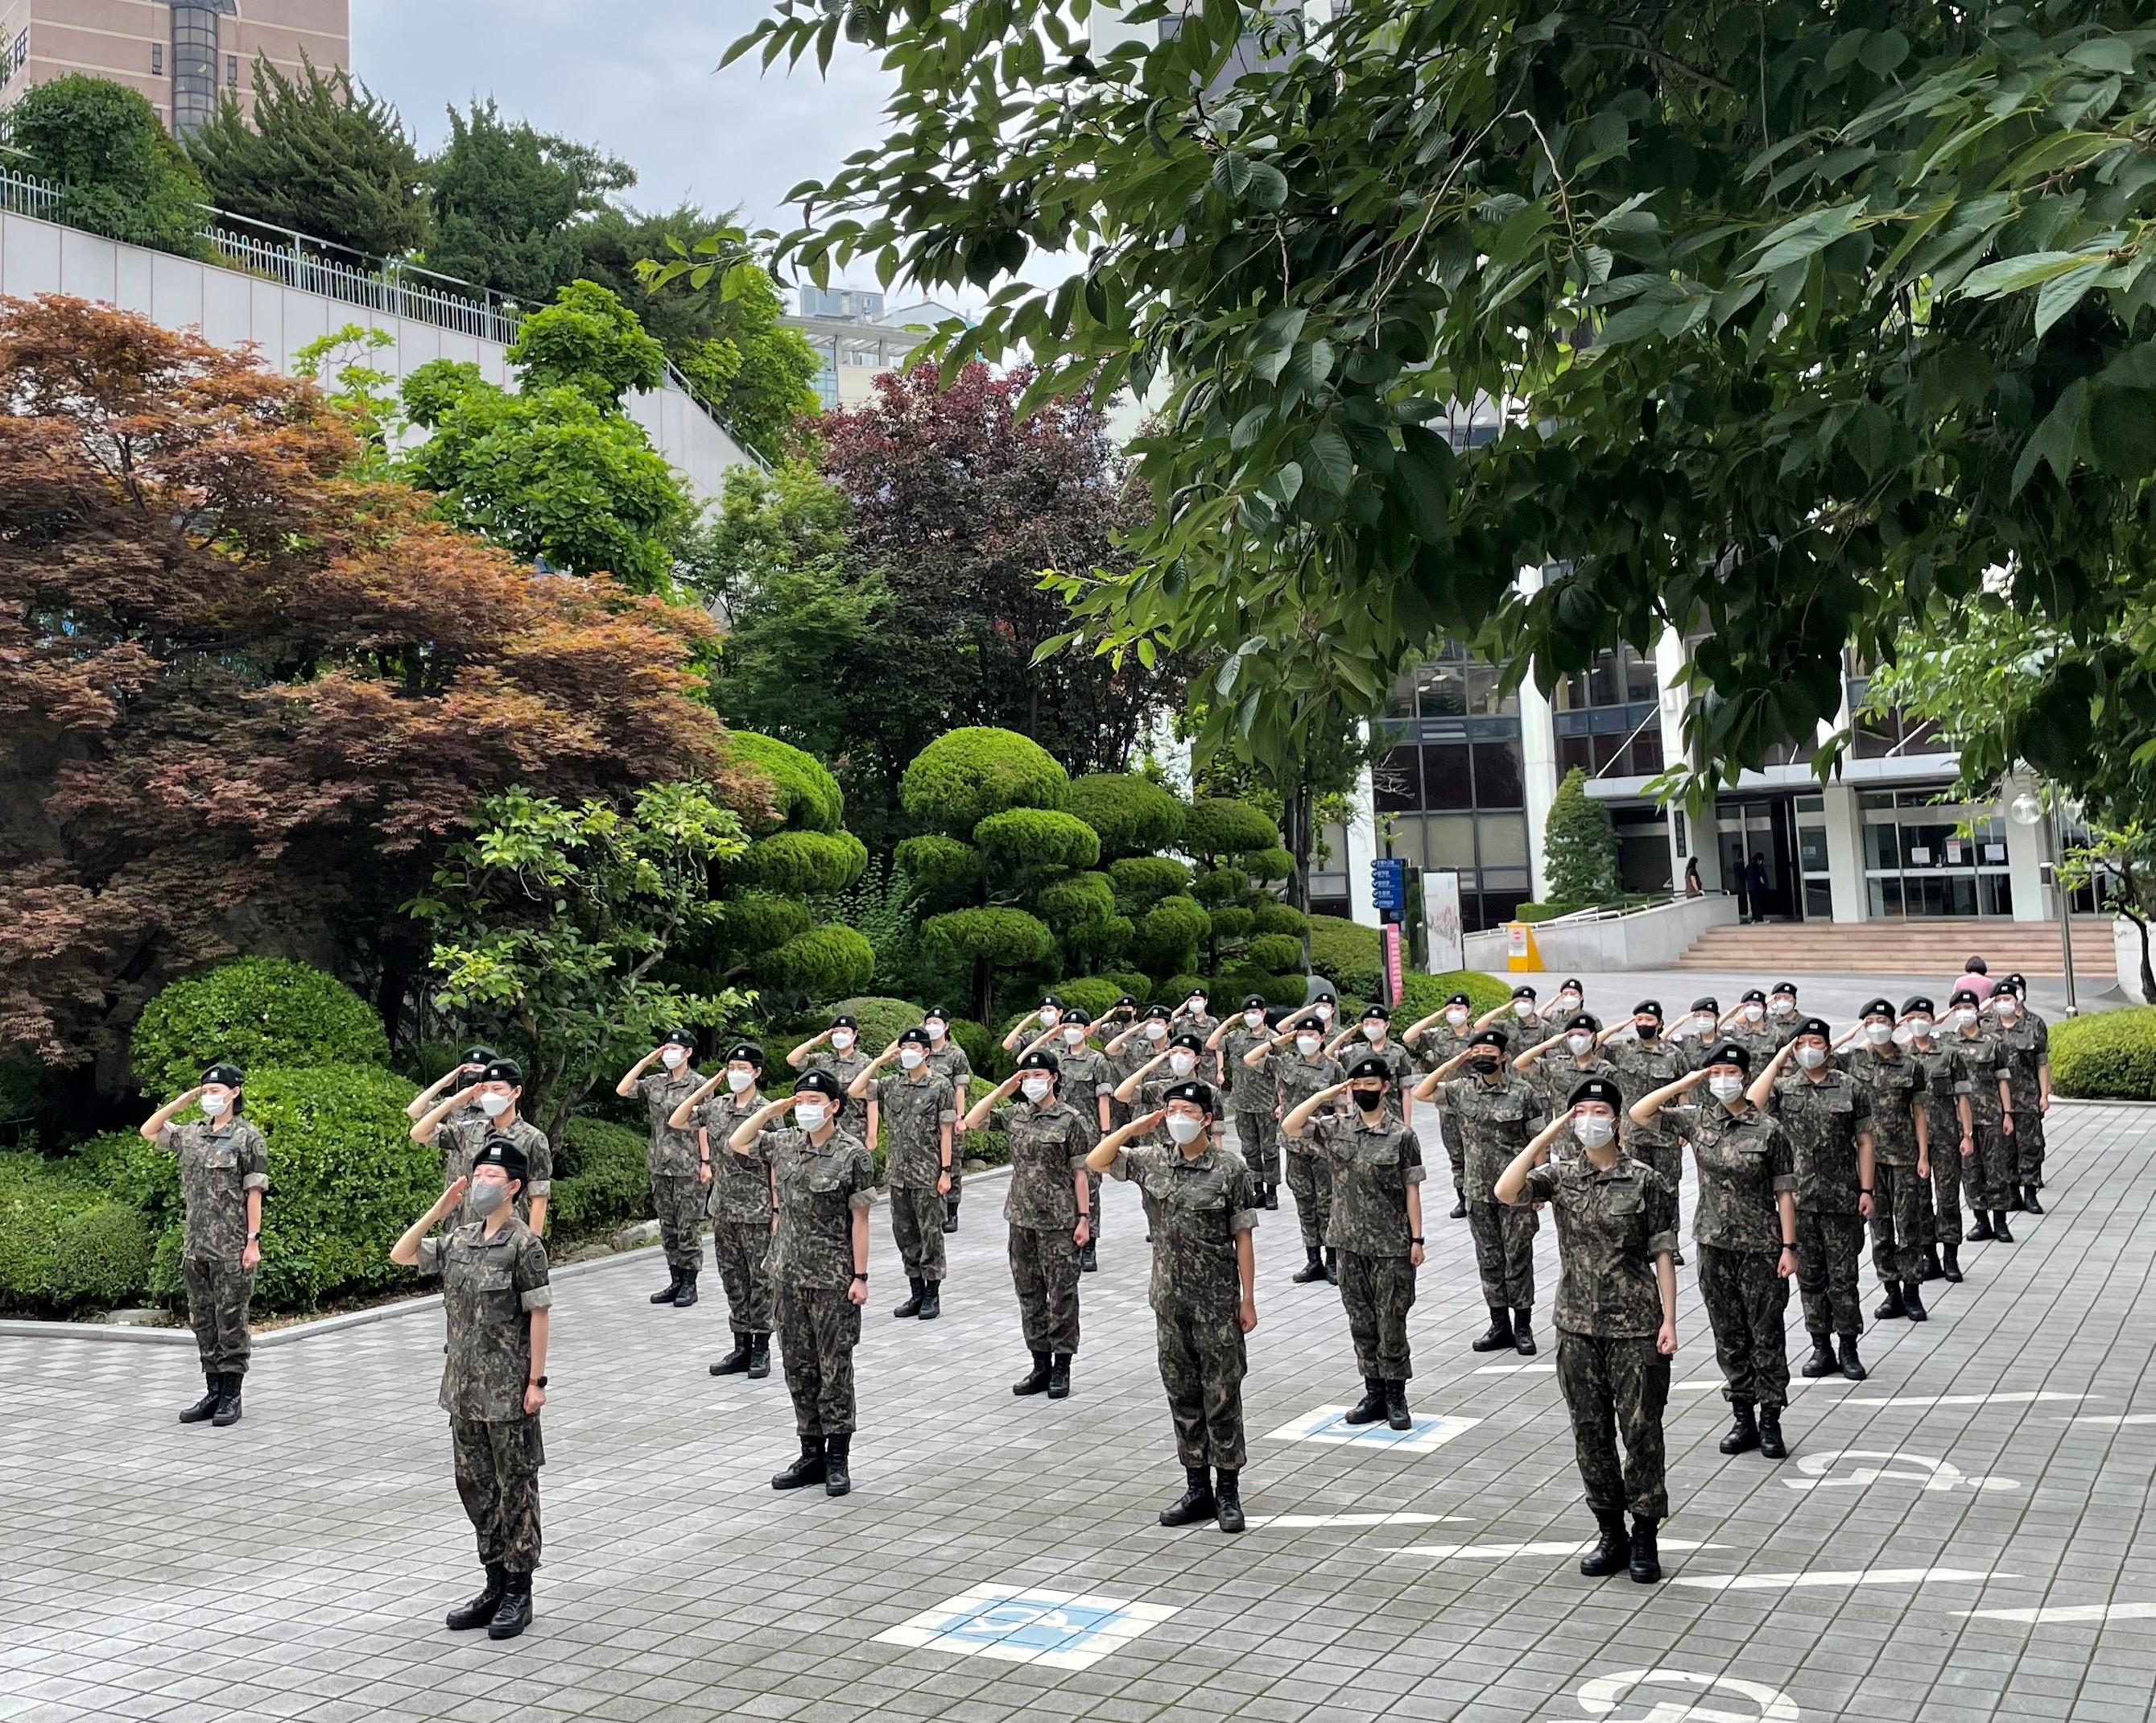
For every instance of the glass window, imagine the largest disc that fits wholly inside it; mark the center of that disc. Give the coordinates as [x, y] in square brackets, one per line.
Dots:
[1575, 751]
[1405, 841]
[1446, 782]
[1449, 840]
[1811, 849]
[1396, 781]
[1499, 780]
[1482, 697]
[1503, 839]
[1881, 845]
[1441, 689]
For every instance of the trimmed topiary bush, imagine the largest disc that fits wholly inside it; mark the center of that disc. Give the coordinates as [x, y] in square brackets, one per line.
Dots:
[1276, 953]
[1219, 885]
[1232, 923]
[1420, 993]
[821, 963]
[799, 864]
[880, 1020]
[1142, 880]
[805, 795]
[945, 870]
[964, 775]
[984, 941]
[1346, 954]
[758, 921]
[1269, 866]
[1093, 995]
[1217, 827]
[982, 1053]
[1579, 845]
[2108, 1056]
[1134, 815]
[1281, 918]
[1169, 932]
[257, 1010]
[1083, 900]
[66, 1246]
[600, 1184]
[1025, 838]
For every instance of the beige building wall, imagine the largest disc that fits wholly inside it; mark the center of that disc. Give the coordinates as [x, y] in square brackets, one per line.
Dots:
[130, 42]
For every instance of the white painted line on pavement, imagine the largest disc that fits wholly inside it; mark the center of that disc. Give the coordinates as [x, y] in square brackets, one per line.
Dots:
[2072, 1612]
[1306, 1522]
[2115, 1418]
[2024, 1397]
[1500, 1552]
[1849, 1576]
[1515, 1369]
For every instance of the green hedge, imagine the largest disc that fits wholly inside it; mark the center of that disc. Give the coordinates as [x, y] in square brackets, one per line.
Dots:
[66, 1246]
[602, 1183]
[1421, 994]
[2108, 1056]
[880, 1020]
[260, 1011]
[1346, 954]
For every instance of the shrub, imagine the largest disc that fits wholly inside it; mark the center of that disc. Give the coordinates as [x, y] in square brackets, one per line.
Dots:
[1281, 918]
[1220, 827]
[2106, 1056]
[1171, 930]
[1219, 885]
[1134, 815]
[804, 795]
[1231, 923]
[1110, 937]
[964, 775]
[1083, 900]
[259, 1011]
[1093, 995]
[1178, 988]
[1579, 845]
[821, 963]
[1005, 938]
[1547, 912]
[880, 1020]
[600, 1183]
[121, 1165]
[120, 172]
[1131, 981]
[799, 863]
[67, 1248]
[757, 921]
[1271, 866]
[1346, 954]
[1284, 989]
[1276, 953]
[944, 869]
[1421, 994]
[1037, 837]
[981, 1052]
[1142, 880]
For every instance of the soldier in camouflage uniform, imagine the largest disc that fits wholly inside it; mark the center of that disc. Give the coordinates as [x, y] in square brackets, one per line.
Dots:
[1746, 1229]
[1443, 1035]
[825, 1181]
[498, 1299]
[1698, 1032]
[465, 1123]
[2025, 1039]
[1203, 1290]
[1252, 1095]
[1827, 1115]
[1647, 1060]
[1558, 1064]
[1950, 1128]
[224, 1170]
[1902, 1162]
[914, 1106]
[838, 1050]
[741, 1204]
[1783, 1016]
[1376, 1225]
[1990, 1106]
[948, 1061]
[679, 1176]
[1498, 1111]
[1748, 1027]
[1194, 1017]
[1085, 1079]
[1299, 1066]
[1046, 1208]
[1371, 1038]
[476, 1060]
[1616, 1315]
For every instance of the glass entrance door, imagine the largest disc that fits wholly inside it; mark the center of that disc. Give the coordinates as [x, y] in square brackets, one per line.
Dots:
[1925, 855]
[1756, 840]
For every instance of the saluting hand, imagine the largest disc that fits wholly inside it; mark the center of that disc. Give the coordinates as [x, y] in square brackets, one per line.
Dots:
[446, 1203]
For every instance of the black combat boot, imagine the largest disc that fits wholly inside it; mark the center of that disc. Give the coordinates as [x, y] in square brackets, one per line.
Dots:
[1459, 1204]
[1088, 1262]
[2014, 1199]
[687, 1295]
[200, 1412]
[808, 1469]
[911, 1306]
[1523, 1335]
[1396, 1406]
[1332, 1265]
[1646, 1564]
[951, 1214]
[1196, 1502]
[1892, 1305]
[1312, 1270]
[1822, 1362]
[1500, 1337]
[1913, 1301]
[2029, 1200]
[837, 1479]
[736, 1361]
[1999, 1226]
[1982, 1229]
[480, 1610]
[1034, 1380]
[1612, 1552]
[1852, 1366]
[667, 1294]
[1950, 1269]
[1272, 1197]
[1743, 1429]
[1371, 1406]
[228, 1403]
[932, 1299]
[1770, 1434]
[1931, 1270]
[759, 1356]
[1058, 1377]
[513, 1615]
[1228, 1500]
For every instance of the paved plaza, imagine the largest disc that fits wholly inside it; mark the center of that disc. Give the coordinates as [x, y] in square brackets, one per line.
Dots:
[1962, 1536]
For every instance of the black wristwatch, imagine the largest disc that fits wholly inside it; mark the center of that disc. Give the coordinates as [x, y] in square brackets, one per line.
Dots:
[1414, 1240]
[862, 1276]
[1864, 1190]
[538, 1381]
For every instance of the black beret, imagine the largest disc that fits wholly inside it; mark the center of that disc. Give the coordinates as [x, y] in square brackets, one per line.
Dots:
[1917, 1002]
[1816, 1025]
[1255, 1002]
[1648, 1008]
[481, 1055]
[1160, 1011]
[1707, 1002]
[1041, 1059]
[231, 1076]
[1732, 1052]
[1198, 993]
[821, 1082]
[503, 1071]
[1523, 991]
[1190, 1043]
[505, 1153]
[1490, 1038]
[1753, 996]
[747, 1051]
[1584, 1019]
[1083, 1019]
[1962, 996]
[938, 1012]
[842, 1022]
[1378, 1011]
[1127, 1001]
[680, 1038]
[1598, 1089]
[1788, 987]
[1461, 999]
[916, 1035]
[1371, 1065]
[1200, 1094]
[1571, 983]
[1049, 999]
[1878, 1007]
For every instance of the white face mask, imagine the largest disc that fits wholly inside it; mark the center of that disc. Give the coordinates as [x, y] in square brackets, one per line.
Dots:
[1726, 1088]
[1373, 1031]
[1074, 1037]
[1753, 1013]
[1049, 1016]
[1579, 1044]
[1325, 1011]
[2008, 1007]
[843, 1039]
[216, 1100]
[1455, 1016]
[1879, 1034]
[1782, 1005]
[492, 1105]
[1254, 1019]
[1182, 1064]
[1034, 1090]
[739, 1080]
[1184, 1130]
[1920, 1029]
[1593, 1129]
[911, 1058]
[1306, 1045]
[1903, 1035]
[1523, 1008]
[1960, 1019]
[937, 1030]
[811, 1119]
[1156, 1030]
[1811, 1058]
[1567, 1004]
[672, 1059]
[1193, 1007]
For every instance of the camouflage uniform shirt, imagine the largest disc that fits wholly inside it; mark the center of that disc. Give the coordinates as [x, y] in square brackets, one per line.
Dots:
[1642, 1067]
[949, 1063]
[1946, 1079]
[914, 1112]
[490, 1288]
[845, 1067]
[1082, 1077]
[1199, 1203]
[461, 1139]
[1895, 1087]
[741, 1183]
[1611, 1227]
[1047, 1144]
[217, 1170]
[1745, 1161]
[1297, 1079]
[1984, 1062]
[1249, 1090]
[2024, 1047]
[1497, 1120]
[1559, 1073]
[1371, 1167]
[669, 1151]
[819, 1190]
[1824, 1119]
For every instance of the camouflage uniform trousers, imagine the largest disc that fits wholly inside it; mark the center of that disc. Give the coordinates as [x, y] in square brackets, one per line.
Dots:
[1093, 1206]
[1828, 1246]
[1257, 1138]
[1378, 1291]
[1898, 1226]
[1991, 1173]
[1747, 1306]
[498, 1481]
[1202, 1364]
[2025, 1150]
[1310, 1178]
[743, 1251]
[1616, 1388]
[1043, 1265]
[1505, 1252]
[1943, 1208]
[817, 1331]
[916, 1228]
[218, 1292]
[1455, 1147]
[679, 1199]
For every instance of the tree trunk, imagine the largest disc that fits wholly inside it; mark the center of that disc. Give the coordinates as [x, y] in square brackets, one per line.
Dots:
[2147, 975]
[1300, 845]
[984, 992]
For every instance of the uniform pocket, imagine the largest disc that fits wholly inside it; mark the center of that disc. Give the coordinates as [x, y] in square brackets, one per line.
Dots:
[221, 1158]
[1627, 1199]
[492, 1278]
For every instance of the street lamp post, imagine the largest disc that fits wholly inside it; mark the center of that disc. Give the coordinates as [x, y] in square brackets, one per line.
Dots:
[2027, 809]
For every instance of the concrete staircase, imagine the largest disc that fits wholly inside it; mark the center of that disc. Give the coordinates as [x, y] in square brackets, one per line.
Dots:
[1903, 948]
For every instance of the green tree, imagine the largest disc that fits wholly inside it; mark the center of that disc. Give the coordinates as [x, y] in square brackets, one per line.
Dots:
[507, 199]
[118, 170]
[1580, 847]
[257, 1010]
[323, 154]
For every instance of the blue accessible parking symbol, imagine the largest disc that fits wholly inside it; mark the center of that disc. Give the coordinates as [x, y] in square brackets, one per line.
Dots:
[1061, 1630]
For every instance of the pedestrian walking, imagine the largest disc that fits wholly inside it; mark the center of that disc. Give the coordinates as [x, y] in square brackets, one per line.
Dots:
[1902, 1162]
[498, 1299]
[1300, 1067]
[1499, 1112]
[1616, 1316]
[1991, 1109]
[1253, 1095]
[487, 1108]
[915, 1108]
[741, 1204]
[680, 1178]
[224, 1171]
[1441, 1036]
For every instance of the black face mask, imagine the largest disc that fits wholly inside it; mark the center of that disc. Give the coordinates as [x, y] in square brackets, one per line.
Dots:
[1370, 1100]
[1486, 1067]
[1647, 1032]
